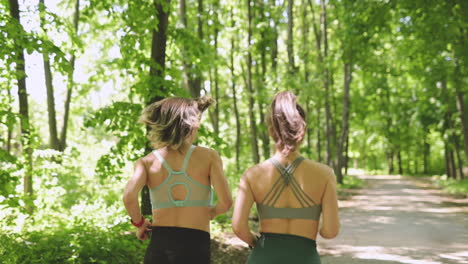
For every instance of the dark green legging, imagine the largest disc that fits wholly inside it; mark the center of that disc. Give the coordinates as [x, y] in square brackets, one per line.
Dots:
[283, 248]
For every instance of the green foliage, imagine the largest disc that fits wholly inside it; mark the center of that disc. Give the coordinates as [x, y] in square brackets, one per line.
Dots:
[452, 186]
[351, 182]
[79, 244]
[119, 120]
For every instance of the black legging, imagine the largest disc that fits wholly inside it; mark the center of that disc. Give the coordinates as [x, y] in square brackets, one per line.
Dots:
[177, 245]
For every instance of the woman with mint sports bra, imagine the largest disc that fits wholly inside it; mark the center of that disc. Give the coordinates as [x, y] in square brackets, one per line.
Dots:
[179, 176]
[295, 197]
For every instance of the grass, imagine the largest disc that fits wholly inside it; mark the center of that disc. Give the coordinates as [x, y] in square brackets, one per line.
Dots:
[351, 182]
[451, 186]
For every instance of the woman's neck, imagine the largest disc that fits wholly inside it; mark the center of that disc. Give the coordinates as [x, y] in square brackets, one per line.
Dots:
[288, 158]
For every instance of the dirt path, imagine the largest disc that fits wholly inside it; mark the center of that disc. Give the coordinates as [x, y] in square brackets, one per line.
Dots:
[399, 220]
[393, 220]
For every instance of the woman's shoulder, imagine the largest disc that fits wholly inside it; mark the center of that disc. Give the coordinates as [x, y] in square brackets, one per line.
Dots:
[257, 169]
[319, 168]
[209, 152]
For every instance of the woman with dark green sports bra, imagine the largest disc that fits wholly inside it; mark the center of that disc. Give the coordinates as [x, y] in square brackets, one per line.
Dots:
[295, 197]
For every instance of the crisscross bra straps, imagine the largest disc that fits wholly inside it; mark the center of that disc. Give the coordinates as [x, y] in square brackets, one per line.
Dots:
[308, 210]
[197, 193]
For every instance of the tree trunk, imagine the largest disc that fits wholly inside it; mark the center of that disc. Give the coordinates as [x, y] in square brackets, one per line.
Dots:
[158, 56]
[400, 166]
[347, 154]
[216, 77]
[319, 136]
[261, 88]
[197, 79]
[274, 48]
[253, 125]
[448, 171]
[53, 135]
[305, 47]
[457, 154]
[391, 168]
[186, 65]
[234, 96]
[23, 110]
[9, 128]
[71, 82]
[290, 41]
[328, 116]
[426, 152]
[460, 105]
[348, 71]
[453, 168]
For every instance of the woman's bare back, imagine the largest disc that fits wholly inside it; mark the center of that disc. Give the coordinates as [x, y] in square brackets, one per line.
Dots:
[312, 178]
[198, 168]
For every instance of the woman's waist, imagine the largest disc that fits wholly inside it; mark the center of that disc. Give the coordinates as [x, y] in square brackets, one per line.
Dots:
[198, 220]
[280, 226]
[162, 229]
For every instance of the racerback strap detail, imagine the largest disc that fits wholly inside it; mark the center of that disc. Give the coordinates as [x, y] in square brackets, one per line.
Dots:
[197, 193]
[309, 208]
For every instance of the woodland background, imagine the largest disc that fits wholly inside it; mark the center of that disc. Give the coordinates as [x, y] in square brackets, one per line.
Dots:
[383, 83]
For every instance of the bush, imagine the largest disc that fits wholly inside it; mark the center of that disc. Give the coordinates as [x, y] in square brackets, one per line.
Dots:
[451, 186]
[80, 244]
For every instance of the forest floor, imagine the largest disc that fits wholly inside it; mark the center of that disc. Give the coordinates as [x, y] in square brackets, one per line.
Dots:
[392, 220]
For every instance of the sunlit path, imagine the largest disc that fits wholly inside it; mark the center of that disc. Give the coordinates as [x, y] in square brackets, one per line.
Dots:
[399, 220]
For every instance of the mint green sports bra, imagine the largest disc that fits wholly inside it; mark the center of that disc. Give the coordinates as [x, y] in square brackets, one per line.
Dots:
[308, 210]
[197, 193]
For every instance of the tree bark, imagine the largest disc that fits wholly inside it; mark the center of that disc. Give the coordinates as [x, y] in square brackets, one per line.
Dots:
[23, 109]
[234, 96]
[427, 149]
[253, 125]
[448, 171]
[216, 77]
[328, 116]
[71, 82]
[348, 71]
[458, 156]
[346, 163]
[290, 41]
[54, 142]
[260, 88]
[274, 48]
[319, 136]
[9, 128]
[391, 168]
[460, 105]
[158, 57]
[186, 65]
[400, 165]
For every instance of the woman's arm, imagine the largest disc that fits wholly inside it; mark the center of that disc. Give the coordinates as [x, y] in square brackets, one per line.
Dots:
[240, 218]
[331, 222]
[220, 185]
[130, 198]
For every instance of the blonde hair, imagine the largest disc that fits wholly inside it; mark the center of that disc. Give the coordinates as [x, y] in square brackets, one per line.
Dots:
[286, 122]
[172, 120]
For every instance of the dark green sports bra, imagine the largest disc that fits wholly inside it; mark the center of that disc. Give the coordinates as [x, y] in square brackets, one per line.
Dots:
[308, 210]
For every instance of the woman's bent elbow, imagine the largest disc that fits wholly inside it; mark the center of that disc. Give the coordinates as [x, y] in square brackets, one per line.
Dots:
[329, 234]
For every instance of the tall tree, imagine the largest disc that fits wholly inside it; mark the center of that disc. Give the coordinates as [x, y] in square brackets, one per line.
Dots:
[234, 95]
[23, 107]
[290, 41]
[251, 96]
[157, 69]
[71, 81]
[54, 142]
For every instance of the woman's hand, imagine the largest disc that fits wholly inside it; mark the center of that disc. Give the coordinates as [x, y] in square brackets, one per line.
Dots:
[143, 231]
[213, 213]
